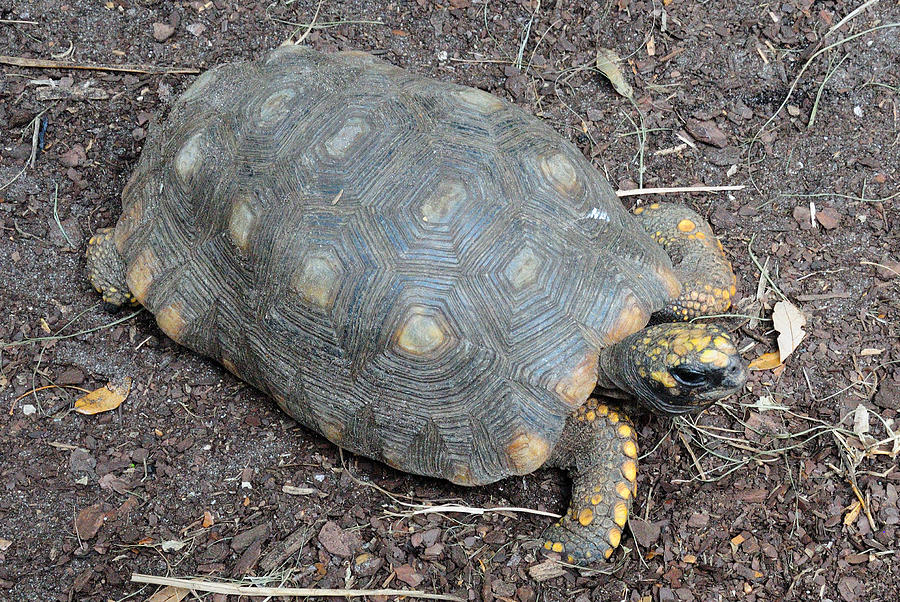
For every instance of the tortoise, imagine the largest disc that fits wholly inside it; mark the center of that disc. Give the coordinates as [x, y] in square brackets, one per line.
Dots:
[424, 274]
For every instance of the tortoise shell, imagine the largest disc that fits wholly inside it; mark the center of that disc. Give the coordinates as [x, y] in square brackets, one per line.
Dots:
[418, 270]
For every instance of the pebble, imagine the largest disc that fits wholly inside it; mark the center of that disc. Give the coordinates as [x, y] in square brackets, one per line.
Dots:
[803, 217]
[707, 132]
[162, 31]
[28, 409]
[196, 29]
[888, 268]
[828, 217]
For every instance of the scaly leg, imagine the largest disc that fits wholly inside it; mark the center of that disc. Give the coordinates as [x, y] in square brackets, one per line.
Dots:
[599, 450]
[106, 270]
[708, 283]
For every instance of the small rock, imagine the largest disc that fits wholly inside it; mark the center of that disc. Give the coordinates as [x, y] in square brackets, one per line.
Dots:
[698, 520]
[71, 376]
[74, 156]
[888, 269]
[335, 540]
[723, 219]
[888, 394]
[828, 217]
[408, 575]
[850, 588]
[89, 520]
[803, 217]
[28, 409]
[525, 594]
[434, 551]
[81, 462]
[162, 31]
[196, 29]
[645, 533]
[666, 595]
[707, 132]
[367, 565]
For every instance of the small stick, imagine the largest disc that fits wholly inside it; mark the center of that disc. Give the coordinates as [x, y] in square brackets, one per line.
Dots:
[677, 189]
[299, 592]
[50, 64]
[693, 456]
[469, 510]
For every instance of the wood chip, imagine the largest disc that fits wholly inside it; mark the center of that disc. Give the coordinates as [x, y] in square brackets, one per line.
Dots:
[546, 570]
[169, 594]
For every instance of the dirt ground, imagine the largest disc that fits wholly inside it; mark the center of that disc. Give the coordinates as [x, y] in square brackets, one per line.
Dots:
[787, 492]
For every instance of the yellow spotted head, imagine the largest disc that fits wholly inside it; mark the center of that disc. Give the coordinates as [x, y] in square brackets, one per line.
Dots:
[676, 368]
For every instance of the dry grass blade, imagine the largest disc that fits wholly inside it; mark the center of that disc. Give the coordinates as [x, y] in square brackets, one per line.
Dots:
[4, 344]
[19, 61]
[676, 190]
[428, 509]
[218, 587]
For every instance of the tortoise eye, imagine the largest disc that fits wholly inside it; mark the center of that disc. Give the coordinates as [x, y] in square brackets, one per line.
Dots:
[688, 377]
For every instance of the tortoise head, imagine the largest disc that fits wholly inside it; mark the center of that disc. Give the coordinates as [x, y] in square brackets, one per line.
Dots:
[676, 368]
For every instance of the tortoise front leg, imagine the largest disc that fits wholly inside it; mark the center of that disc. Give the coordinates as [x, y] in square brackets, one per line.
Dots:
[106, 268]
[708, 283]
[599, 450]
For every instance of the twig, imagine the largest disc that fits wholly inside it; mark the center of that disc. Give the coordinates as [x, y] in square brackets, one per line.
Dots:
[676, 190]
[424, 509]
[12, 406]
[50, 64]
[217, 587]
[17, 22]
[693, 455]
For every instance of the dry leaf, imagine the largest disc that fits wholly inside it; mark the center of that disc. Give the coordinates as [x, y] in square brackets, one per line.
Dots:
[170, 593]
[789, 322]
[208, 520]
[105, 398]
[607, 63]
[767, 361]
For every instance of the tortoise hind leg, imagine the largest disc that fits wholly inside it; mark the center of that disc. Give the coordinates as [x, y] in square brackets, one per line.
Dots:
[708, 283]
[599, 450]
[106, 269]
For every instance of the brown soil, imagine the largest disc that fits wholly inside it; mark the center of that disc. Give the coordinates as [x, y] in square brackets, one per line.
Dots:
[89, 500]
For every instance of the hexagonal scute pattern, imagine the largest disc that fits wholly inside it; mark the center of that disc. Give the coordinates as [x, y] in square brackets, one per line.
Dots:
[418, 270]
